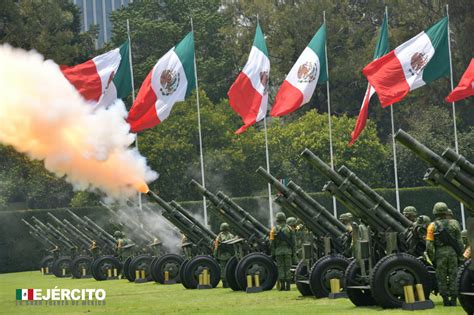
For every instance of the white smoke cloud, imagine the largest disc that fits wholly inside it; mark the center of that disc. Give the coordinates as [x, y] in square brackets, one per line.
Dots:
[43, 116]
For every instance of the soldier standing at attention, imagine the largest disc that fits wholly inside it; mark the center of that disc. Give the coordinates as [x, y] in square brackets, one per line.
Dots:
[292, 223]
[222, 252]
[445, 248]
[282, 245]
[410, 213]
[347, 219]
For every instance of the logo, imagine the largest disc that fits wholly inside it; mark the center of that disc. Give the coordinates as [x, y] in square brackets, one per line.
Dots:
[264, 80]
[418, 62]
[307, 72]
[169, 81]
[60, 296]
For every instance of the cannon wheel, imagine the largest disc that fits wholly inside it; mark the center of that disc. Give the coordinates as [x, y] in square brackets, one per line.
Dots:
[168, 262]
[358, 297]
[392, 273]
[63, 262]
[47, 261]
[126, 268]
[301, 273]
[79, 263]
[104, 263]
[325, 269]
[465, 281]
[140, 262]
[182, 278]
[257, 263]
[230, 273]
[196, 265]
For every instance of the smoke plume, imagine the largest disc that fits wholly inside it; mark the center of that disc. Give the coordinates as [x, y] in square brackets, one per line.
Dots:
[43, 116]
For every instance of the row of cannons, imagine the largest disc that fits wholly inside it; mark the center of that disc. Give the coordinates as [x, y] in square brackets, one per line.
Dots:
[376, 264]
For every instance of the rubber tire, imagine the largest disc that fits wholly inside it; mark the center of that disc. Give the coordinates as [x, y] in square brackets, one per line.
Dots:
[140, 259]
[97, 273]
[465, 281]
[336, 261]
[301, 273]
[357, 297]
[158, 265]
[182, 277]
[261, 259]
[75, 271]
[198, 262]
[229, 272]
[126, 268]
[47, 261]
[383, 267]
[57, 270]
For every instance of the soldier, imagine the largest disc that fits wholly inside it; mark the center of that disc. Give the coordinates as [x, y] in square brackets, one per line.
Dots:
[122, 243]
[292, 223]
[410, 213]
[444, 247]
[222, 252]
[347, 219]
[282, 245]
[187, 247]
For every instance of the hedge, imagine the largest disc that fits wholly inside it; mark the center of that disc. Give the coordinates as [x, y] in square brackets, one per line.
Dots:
[19, 251]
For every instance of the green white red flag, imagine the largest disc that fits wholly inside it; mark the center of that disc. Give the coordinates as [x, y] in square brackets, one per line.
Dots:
[465, 87]
[248, 95]
[301, 81]
[380, 50]
[419, 61]
[104, 78]
[171, 80]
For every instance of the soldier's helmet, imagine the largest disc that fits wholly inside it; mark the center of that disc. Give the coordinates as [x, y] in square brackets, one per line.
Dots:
[410, 210]
[280, 217]
[464, 233]
[224, 227]
[118, 234]
[450, 212]
[346, 217]
[291, 221]
[440, 208]
[423, 219]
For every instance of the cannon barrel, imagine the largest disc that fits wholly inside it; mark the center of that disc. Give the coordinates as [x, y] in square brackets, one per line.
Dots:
[370, 210]
[463, 163]
[38, 236]
[308, 211]
[105, 235]
[186, 213]
[442, 165]
[92, 234]
[238, 225]
[71, 235]
[61, 236]
[48, 228]
[193, 232]
[77, 231]
[257, 224]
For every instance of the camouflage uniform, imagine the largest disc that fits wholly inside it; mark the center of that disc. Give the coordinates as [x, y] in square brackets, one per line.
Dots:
[444, 247]
[410, 213]
[282, 245]
[292, 223]
[223, 252]
[347, 219]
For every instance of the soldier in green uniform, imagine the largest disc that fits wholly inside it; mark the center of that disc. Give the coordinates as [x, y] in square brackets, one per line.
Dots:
[282, 245]
[445, 248]
[410, 213]
[292, 223]
[223, 252]
[347, 219]
[121, 245]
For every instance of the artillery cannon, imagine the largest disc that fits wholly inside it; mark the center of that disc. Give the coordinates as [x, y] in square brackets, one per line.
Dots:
[382, 265]
[325, 260]
[251, 247]
[455, 175]
[197, 248]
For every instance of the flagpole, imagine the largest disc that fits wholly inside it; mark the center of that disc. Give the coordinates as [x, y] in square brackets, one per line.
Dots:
[267, 156]
[334, 205]
[456, 146]
[133, 98]
[394, 147]
[200, 133]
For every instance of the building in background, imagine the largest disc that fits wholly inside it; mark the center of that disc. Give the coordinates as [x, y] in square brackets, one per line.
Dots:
[97, 12]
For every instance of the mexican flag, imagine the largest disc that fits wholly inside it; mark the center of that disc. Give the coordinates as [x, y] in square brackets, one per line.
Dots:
[104, 78]
[465, 87]
[422, 59]
[248, 95]
[24, 294]
[170, 81]
[380, 50]
[300, 83]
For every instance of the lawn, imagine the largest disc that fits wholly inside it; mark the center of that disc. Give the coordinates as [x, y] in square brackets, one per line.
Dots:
[151, 298]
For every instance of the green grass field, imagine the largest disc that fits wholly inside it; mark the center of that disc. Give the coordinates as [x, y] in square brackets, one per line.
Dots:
[151, 298]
